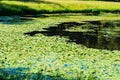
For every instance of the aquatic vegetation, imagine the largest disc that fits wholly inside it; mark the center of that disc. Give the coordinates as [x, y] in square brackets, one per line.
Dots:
[52, 57]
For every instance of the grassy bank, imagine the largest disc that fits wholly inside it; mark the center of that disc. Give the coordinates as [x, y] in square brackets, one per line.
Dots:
[57, 6]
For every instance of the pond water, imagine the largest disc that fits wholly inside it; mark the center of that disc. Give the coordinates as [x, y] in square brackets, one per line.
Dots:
[97, 34]
[92, 34]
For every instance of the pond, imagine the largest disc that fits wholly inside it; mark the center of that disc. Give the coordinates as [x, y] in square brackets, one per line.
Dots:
[59, 48]
[92, 34]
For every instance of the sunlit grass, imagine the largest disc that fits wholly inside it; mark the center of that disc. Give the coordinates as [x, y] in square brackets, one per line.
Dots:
[59, 6]
[74, 5]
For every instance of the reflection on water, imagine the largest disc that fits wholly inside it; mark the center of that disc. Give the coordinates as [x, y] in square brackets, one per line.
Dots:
[92, 34]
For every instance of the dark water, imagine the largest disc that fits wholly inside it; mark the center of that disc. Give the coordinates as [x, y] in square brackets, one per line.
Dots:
[96, 34]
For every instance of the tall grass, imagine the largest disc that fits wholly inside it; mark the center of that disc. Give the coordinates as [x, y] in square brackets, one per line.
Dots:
[57, 6]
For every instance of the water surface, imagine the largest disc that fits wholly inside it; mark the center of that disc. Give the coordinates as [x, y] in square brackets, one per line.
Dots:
[92, 34]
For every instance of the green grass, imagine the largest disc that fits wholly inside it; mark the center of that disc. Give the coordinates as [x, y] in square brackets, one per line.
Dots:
[41, 57]
[57, 6]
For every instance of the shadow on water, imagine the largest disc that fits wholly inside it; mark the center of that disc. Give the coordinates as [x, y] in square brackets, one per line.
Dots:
[14, 19]
[21, 73]
[92, 34]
